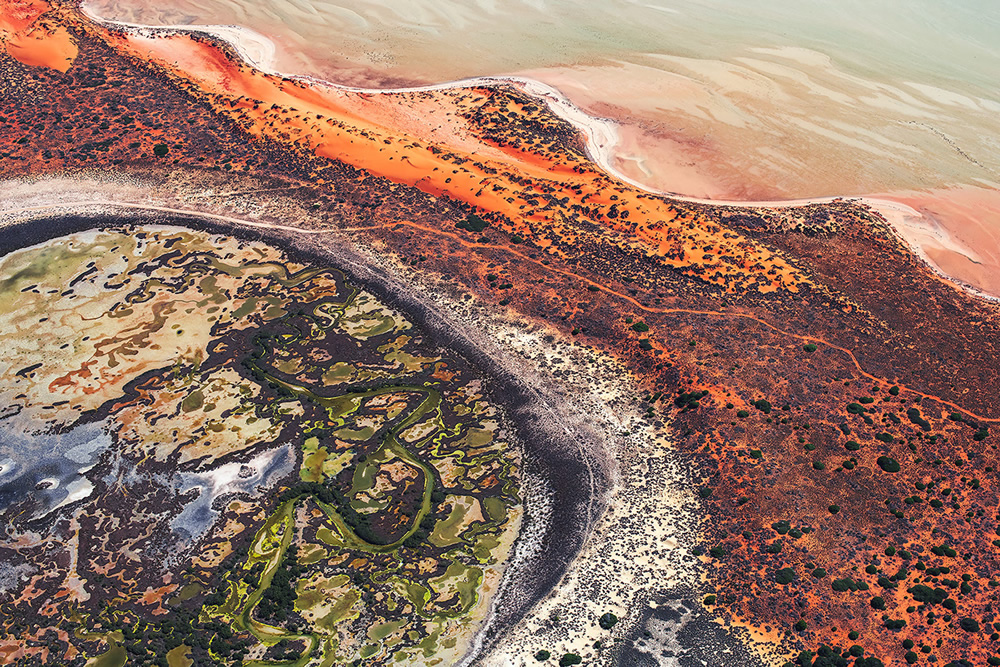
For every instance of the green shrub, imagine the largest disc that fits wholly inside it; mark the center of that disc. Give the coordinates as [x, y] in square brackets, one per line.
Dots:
[809, 347]
[833, 509]
[542, 655]
[569, 659]
[801, 624]
[689, 400]
[888, 464]
[785, 575]
[640, 327]
[913, 414]
[852, 446]
[845, 584]
[944, 550]
[160, 150]
[742, 414]
[969, 624]
[473, 223]
[709, 600]
[607, 621]
[819, 465]
[756, 454]
[878, 602]
[855, 408]
[868, 662]
[781, 527]
[928, 595]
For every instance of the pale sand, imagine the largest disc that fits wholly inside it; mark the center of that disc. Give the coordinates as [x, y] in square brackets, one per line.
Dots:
[650, 155]
[956, 230]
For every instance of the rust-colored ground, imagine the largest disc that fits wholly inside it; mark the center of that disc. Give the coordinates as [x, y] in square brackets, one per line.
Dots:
[810, 330]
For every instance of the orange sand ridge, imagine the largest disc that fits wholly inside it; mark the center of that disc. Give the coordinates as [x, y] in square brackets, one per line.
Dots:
[31, 41]
[542, 197]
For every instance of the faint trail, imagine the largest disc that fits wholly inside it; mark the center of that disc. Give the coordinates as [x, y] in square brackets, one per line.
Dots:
[503, 248]
[707, 313]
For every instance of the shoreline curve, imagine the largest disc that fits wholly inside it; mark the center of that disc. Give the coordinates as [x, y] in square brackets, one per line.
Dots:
[600, 135]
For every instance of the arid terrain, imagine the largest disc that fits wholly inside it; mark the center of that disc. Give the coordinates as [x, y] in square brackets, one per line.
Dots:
[297, 374]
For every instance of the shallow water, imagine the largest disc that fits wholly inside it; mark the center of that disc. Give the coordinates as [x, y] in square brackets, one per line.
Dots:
[720, 98]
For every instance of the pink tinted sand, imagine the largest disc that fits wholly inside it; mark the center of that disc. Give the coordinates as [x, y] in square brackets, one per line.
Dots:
[958, 233]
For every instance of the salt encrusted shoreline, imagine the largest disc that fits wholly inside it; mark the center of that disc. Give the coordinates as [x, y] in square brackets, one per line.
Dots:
[600, 134]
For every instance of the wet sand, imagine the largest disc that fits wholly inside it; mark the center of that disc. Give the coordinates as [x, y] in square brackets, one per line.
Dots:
[956, 230]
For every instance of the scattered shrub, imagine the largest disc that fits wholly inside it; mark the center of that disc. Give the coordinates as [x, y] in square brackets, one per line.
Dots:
[913, 414]
[969, 624]
[690, 400]
[785, 575]
[472, 223]
[928, 595]
[888, 464]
